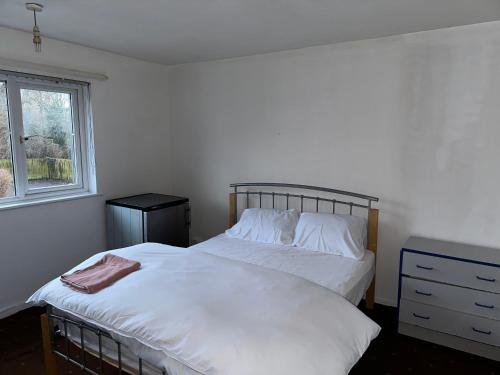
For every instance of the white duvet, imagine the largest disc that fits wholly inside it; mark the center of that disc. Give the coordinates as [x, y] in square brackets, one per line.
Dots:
[346, 276]
[219, 316]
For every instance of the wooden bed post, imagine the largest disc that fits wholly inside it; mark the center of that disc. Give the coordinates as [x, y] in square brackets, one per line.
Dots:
[48, 356]
[372, 246]
[232, 209]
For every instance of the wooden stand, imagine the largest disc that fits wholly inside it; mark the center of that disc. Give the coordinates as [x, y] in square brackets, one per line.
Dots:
[372, 246]
[48, 356]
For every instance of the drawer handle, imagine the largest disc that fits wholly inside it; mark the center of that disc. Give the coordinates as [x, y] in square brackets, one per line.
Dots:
[425, 267]
[421, 316]
[486, 279]
[480, 331]
[485, 306]
[423, 293]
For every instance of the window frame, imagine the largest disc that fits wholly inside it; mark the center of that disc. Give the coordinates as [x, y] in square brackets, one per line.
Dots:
[82, 136]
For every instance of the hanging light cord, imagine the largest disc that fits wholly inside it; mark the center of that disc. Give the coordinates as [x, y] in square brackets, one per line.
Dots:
[37, 40]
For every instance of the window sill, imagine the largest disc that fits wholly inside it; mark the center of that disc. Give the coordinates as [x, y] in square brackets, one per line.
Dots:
[46, 200]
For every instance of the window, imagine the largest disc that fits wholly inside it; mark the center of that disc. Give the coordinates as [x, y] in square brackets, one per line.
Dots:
[44, 137]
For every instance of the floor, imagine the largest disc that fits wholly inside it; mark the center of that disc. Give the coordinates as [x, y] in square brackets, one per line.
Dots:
[389, 354]
[394, 354]
[21, 344]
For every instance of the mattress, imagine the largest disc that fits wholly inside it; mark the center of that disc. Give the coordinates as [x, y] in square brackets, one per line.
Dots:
[348, 277]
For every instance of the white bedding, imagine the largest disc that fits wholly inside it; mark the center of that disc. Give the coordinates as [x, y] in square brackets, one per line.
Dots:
[246, 319]
[345, 276]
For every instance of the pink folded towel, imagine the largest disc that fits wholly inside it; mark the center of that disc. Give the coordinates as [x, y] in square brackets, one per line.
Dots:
[101, 274]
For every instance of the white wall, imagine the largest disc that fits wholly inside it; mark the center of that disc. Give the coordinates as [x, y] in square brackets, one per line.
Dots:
[413, 119]
[131, 131]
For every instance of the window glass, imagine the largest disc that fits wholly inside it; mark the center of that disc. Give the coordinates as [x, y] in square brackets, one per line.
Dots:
[44, 138]
[48, 137]
[6, 165]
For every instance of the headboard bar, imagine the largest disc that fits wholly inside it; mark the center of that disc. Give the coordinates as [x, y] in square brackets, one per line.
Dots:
[288, 195]
[305, 187]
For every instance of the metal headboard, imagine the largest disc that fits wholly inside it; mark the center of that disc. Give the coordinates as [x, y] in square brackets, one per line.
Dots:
[364, 201]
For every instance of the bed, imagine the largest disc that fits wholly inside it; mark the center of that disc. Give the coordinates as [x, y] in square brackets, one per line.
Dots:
[266, 272]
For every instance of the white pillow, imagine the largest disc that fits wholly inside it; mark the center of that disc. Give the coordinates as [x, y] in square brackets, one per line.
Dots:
[332, 233]
[266, 225]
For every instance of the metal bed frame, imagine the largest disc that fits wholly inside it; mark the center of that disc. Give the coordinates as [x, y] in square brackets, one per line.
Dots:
[368, 205]
[55, 332]
[52, 321]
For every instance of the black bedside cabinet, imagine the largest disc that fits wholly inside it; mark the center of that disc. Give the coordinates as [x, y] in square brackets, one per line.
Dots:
[148, 218]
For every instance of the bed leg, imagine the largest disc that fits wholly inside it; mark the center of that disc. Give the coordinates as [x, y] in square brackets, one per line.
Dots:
[48, 356]
[232, 210]
[370, 296]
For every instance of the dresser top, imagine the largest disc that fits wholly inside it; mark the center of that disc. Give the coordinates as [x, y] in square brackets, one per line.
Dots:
[453, 249]
[148, 202]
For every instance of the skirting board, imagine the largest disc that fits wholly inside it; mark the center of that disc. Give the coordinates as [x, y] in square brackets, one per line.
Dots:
[5, 312]
[386, 301]
[455, 342]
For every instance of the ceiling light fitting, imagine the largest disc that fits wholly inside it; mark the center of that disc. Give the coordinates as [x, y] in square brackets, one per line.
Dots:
[37, 39]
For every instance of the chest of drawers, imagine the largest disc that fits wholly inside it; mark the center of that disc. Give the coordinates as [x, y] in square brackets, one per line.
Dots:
[449, 294]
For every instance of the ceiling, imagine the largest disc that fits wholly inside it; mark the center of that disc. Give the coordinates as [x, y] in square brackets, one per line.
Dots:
[179, 31]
